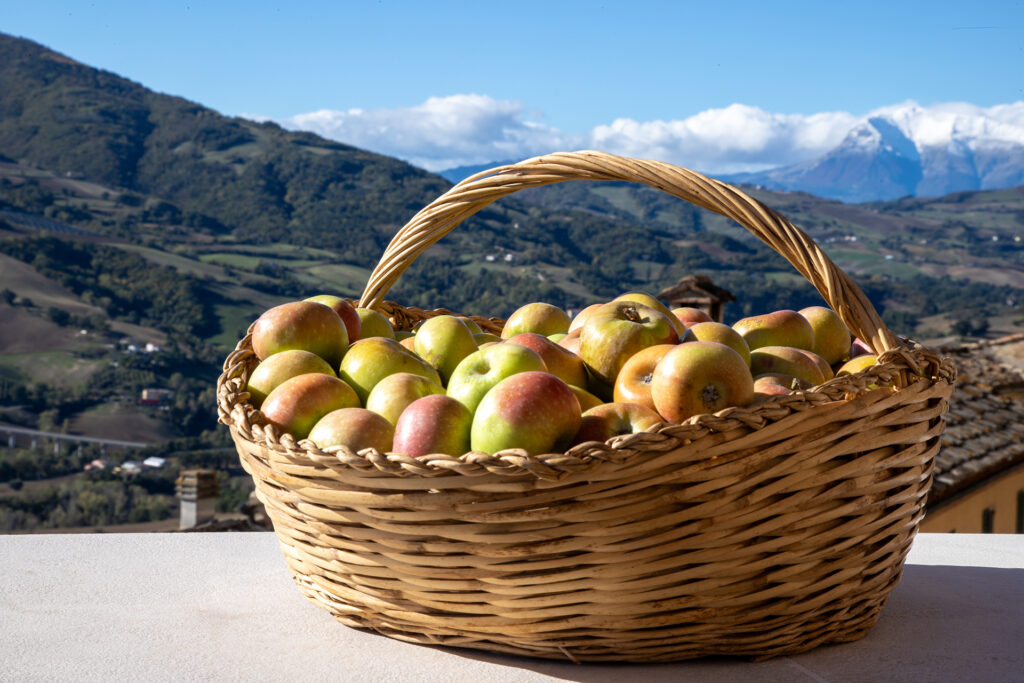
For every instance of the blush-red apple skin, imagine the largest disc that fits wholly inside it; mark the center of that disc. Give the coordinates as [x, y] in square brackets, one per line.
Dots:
[700, 377]
[534, 411]
[602, 422]
[357, 428]
[304, 325]
[280, 367]
[345, 311]
[433, 424]
[560, 362]
[394, 393]
[297, 404]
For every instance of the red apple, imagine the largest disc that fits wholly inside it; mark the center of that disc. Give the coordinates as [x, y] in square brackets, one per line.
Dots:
[700, 377]
[534, 411]
[295, 405]
[356, 428]
[433, 424]
[345, 311]
[302, 325]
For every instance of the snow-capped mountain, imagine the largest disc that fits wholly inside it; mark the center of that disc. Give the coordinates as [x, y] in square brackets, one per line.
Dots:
[912, 150]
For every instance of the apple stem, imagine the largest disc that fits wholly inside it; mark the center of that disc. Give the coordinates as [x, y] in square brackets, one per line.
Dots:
[631, 314]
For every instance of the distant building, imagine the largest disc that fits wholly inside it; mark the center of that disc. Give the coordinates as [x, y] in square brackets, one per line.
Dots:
[197, 490]
[154, 462]
[978, 481]
[698, 291]
[154, 397]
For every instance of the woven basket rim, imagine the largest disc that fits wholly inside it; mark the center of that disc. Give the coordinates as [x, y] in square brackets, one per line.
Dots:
[247, 422]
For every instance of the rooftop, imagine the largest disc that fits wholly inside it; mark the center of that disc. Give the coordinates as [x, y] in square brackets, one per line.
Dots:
[161, 607]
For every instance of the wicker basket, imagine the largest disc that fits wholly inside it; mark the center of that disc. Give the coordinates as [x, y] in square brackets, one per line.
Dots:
[755, 531]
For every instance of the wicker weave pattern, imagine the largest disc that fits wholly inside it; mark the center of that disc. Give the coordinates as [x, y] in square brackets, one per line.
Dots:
[755, 531]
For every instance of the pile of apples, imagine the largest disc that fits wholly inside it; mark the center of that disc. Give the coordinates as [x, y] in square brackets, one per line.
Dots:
[340, 375]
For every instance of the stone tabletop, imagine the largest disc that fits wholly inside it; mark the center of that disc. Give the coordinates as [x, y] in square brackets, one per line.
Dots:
[222, 606]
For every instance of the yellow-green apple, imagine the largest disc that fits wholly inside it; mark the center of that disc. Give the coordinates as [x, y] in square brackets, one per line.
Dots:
[474, 328]
[587, 400]
[345, 311]
[718, 332]
[618, 330]
[402, 335]
[787, 361]
[534, 411]
[581, 318]
[297, 404]
[652, 302]
[443, 341]
[483, 369]
[537, 317]
[373, 324]
[832, 338]
[357, 428]
[302, 325]
[633, 384]
[560, 362]
[392, 394]
[482, 338]
[855, 365]
[689, 315]
[280, 367]
[612, 419]
[557, 337]
[371, 359]
[700, 377]
[433, 424]
[778, 328]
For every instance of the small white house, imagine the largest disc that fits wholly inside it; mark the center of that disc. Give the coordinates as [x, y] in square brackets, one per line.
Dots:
[154, 462]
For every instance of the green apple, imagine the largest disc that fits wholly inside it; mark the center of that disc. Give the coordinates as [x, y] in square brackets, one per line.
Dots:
[391, 395]
[481, 370]
[534, 411]
[443, 341]
[280, 367]
[373, 324]
[371, 359]
[537, 317]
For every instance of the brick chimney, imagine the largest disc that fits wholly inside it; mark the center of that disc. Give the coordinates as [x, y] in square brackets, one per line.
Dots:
[197, 490]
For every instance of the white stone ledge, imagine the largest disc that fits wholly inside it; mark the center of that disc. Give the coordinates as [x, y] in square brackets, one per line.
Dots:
[172, 607]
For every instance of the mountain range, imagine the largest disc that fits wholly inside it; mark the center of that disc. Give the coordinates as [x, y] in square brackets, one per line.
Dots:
[900, 151]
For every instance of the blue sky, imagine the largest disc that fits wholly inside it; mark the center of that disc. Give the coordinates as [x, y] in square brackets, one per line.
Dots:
[547, 72]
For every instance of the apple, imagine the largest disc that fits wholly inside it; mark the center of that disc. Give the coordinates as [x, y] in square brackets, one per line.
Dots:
[345, 311]
[700, 377]
[776, 384]
[581, 318]
[373, 324]
[855, 365]
[471, 324]
[433, 424]
[402, 335]
[718, 332]
[779, 328]
[633, 384]
[859, 348]
[533, 410]
[612, 419]
[560, 362]
[371, 359]
[832, 339]
[392, 394]
[481, 370]
[482, 338]
[618, 330]
[788, 361]
[304, 325]
[537, 317]
[409, 343]
[356, 428]
[571, 341]
[443, 341]
[826, 369]
[587, 400]
[688, 315]
[280, 367]
[297, 404]
[652, 302]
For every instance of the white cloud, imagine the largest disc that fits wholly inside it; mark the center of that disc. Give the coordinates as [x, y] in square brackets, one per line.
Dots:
[459, 130]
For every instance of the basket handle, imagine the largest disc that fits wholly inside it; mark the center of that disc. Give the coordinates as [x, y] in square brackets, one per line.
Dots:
[474, 193]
